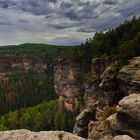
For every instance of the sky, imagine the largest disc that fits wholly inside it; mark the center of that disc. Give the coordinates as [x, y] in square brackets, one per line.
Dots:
[61, 22]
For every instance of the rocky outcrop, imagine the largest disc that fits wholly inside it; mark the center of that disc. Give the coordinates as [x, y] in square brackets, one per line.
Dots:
[68, 84]
[82, 121]
[93, 80]
[46, 135]
[102, 88]
[129, 77]
[127, 118]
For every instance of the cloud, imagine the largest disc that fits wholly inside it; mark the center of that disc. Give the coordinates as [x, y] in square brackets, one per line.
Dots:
[61, 21]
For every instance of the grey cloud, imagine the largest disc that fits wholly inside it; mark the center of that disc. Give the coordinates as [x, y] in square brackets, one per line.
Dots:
[5, 23]
[110, 2]
[44, 20]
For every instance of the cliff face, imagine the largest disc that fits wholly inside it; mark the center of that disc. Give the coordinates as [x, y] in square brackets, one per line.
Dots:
[104, 87]
[67, 83]
[10, 63]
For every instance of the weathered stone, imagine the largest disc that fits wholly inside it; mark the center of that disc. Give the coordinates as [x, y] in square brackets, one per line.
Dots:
[129, 77]
[129, 110]
[92, 91]
[67, 83]
[84, 117]
[44, 135]
[127, 118]
[123, 137]
[100, 130]
[80, 131]
[82, 121]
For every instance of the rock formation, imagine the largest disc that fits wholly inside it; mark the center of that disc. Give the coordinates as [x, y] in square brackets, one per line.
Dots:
[68, 84]
[127, 118]
[105, 93]
[46, 135]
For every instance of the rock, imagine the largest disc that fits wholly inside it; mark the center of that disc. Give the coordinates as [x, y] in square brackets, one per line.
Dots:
[84, 117]
[127, 118]
[80, 131]
[44, 135]
[92, 90]
[123, 137]
[100, 130]
[82, 121]
[68, 84]
[129, 77]
[99, 65]
[129, 110]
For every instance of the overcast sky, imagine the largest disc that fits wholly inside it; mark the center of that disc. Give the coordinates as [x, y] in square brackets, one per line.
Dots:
[63, 22]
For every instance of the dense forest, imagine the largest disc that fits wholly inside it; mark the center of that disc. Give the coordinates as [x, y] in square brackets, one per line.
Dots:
[28, 99]
[121, 43]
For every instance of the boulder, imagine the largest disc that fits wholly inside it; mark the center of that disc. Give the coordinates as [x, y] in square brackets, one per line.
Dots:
[129, 110]
[127, 119]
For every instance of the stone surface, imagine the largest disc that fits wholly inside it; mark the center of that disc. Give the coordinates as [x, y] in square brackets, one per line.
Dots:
[127, 118]
[67, 83]
[46, 135]
[82, 121]
[123, 137]
[100, 130]
[92, 90]
[129, 109]
[129, 77]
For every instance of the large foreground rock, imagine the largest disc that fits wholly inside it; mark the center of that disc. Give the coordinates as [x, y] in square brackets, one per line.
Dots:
[127, 119]
[44, 135]
[129, 109]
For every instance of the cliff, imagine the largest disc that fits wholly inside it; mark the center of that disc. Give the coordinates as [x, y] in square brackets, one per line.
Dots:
[68, 85]
[107, 93]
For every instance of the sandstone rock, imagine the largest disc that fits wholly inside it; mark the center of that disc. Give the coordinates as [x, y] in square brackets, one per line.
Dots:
[99, 65]
[129, 77]
[46, 135]
[92, 91]
[127, 118]
[80, 131]
[85, 116]
[123, 137]
[82, 121]
[129, 109]
[100, 130]
[67, 83]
